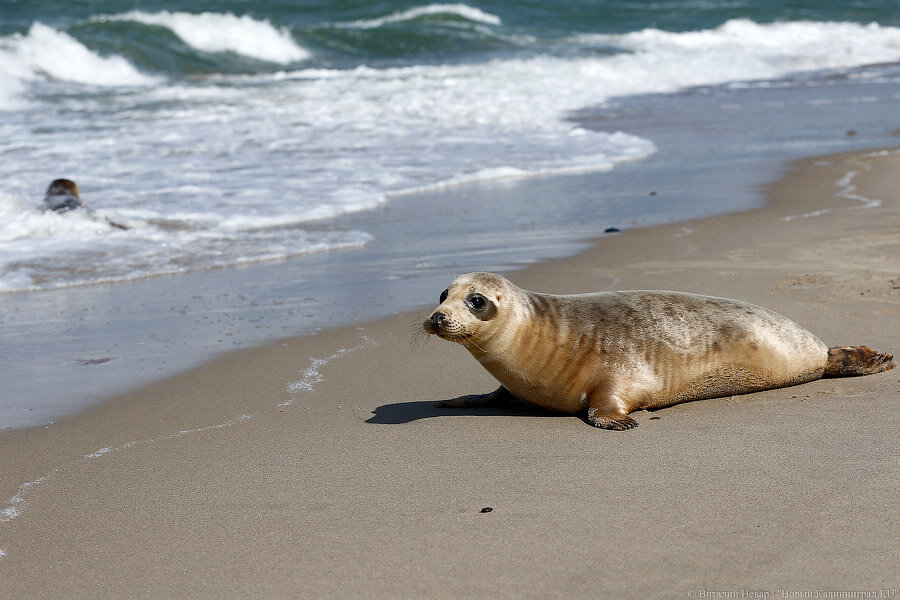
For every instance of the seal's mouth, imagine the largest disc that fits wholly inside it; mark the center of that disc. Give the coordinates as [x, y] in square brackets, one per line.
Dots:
[437, 325]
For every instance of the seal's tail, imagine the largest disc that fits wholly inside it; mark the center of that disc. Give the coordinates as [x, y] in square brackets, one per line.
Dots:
[856, 360]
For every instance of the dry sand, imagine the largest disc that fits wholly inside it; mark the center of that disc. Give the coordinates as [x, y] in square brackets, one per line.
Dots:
[318, 468]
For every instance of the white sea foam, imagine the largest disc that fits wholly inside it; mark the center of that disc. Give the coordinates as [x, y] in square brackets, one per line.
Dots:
[82, 247]
[98, 453]
[11, 87]
[619, 147]
[214, 32]
[311, 375]
[229, 169]
[14, 505]
[460, 10]
[20, 221]
[13, 510]
[44, 51]
[661, 61]
[848, 190]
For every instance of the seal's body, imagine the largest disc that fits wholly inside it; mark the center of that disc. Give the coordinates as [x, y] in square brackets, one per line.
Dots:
[62, 196]
[607, 354]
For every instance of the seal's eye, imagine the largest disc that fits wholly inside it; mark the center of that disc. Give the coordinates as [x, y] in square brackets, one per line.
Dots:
[444, 295]
[476, 302]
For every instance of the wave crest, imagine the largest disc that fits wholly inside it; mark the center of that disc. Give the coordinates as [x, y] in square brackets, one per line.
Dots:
[463, 11]
[214, 32]
[742, 50]
[44, 51]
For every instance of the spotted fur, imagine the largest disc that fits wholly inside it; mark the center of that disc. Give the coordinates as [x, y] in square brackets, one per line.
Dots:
[607, 354]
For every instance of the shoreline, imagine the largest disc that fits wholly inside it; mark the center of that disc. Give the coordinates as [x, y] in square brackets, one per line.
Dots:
[70, 349]
[317, 466]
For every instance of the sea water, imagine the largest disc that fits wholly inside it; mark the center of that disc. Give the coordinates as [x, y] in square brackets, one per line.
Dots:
[276, 166]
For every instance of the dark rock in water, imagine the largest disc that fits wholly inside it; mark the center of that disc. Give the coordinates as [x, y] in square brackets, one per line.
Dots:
[612, 230]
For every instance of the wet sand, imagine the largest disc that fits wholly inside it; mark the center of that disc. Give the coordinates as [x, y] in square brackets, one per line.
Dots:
[317, 467]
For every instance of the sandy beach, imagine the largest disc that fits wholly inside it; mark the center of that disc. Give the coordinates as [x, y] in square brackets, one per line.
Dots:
[317, 467]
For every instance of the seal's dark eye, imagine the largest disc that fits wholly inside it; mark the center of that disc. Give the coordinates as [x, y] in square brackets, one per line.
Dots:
[476, 302]
[444, 295]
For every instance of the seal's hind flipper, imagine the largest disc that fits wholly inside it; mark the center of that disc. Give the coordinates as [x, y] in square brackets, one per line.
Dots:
[857, 360]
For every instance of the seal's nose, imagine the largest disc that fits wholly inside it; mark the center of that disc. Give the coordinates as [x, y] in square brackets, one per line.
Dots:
[437, 318]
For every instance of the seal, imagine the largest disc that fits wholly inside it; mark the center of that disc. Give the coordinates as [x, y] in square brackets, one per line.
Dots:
[607, 354]
[62, 196]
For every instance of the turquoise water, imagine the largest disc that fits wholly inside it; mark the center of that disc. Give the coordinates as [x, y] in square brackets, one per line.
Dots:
[344, 34]
[222, 134]
[288, 166]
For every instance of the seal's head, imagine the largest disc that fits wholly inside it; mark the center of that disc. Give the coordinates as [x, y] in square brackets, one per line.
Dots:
[62, 196]
[472, 308]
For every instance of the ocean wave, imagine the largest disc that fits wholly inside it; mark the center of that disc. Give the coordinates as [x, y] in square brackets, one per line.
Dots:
[21, 221]
[462, 11]
[47, 250]
[611, 150]
[11, 87]
[739, 49]
[47, 52]
[216, 32]
[212, 171]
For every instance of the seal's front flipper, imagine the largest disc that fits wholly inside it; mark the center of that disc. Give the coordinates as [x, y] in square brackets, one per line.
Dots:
[499, 396]
[608, 412]
[616, 423]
